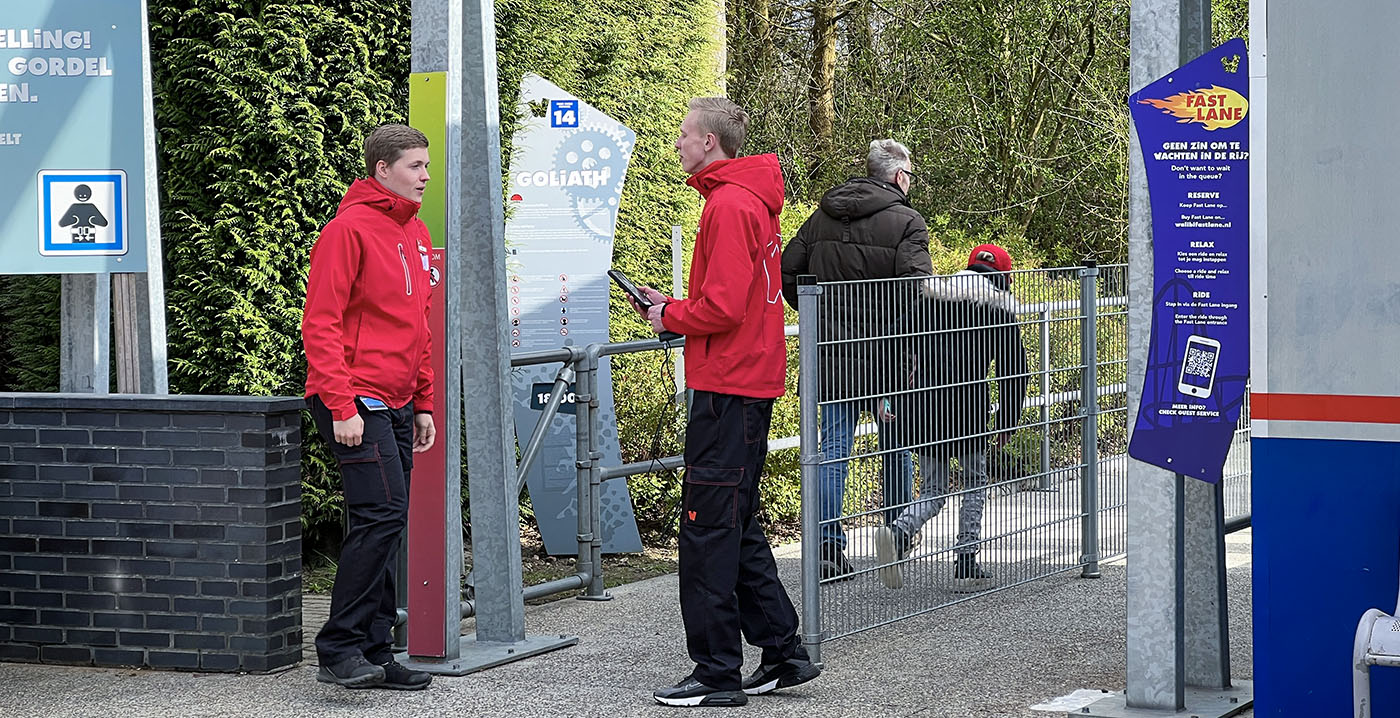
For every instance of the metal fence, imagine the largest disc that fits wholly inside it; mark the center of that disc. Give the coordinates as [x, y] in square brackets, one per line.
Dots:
[944, 400]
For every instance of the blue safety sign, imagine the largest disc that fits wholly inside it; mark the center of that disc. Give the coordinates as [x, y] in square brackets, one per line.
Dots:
[82, 213]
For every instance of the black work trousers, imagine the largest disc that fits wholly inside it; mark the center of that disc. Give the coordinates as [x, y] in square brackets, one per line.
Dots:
[375, 476]
[728, 580]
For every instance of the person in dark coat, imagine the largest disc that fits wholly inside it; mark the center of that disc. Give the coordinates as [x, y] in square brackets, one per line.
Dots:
[959, 327]
[864, 229]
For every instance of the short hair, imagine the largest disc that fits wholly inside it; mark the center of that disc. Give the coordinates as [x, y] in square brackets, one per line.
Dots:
[388, 142]
[886, 159]
[725, 120]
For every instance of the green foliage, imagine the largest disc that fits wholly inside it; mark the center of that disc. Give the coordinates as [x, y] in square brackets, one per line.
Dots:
[29, 311]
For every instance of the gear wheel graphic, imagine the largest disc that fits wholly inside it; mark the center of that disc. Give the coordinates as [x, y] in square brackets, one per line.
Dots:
[592, 149]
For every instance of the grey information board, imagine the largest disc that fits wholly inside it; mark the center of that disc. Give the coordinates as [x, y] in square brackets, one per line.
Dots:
[565, 183]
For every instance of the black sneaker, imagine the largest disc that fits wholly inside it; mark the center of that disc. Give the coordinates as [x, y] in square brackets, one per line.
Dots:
[789, 673]
[691, 692]
[968, 576]
[353, 672]
[892, 545]
[399, 678]
[834, 565]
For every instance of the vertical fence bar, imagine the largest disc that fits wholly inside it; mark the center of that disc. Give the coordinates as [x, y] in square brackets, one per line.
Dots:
[583, 471]
[808, 317]
[1089, 400]
[596, 591]
[1044, 398]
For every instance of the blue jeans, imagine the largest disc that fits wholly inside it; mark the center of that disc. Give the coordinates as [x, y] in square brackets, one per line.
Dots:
[838, 436]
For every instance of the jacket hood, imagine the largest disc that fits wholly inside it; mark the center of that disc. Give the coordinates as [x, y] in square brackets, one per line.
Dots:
[861, 197]
[759, 174]
[970, 286]
[370, 193]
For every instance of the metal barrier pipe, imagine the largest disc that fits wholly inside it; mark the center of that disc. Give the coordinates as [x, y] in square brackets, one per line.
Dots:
[1238, 523]
[1089, 435]
[468, 608]
[546, 356]
[808, 308]
[575, 582]
[1045, 406]
[585, 406]
[596, 591]
[551, 409]
[641, 467]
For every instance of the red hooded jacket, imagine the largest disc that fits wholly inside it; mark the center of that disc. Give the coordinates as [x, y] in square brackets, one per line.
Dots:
[733, 318]
[367, 299]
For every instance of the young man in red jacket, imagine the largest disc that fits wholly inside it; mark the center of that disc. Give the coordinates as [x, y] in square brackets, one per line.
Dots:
[370, 387]
[736, 363]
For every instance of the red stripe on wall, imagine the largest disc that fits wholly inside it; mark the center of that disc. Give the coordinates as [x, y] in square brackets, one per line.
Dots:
[1326, 407]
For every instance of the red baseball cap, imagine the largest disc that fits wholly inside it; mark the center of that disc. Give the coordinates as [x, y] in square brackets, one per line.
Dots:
[990, 255]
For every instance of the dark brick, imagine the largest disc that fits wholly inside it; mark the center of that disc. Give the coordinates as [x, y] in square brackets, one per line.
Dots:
[255, 608]
[152, 420]
[37, 418]
[255, 497]
[172, 587]
[38, 599]
[118, 657]
[144, 567]
[218, 624]
[18, 580]
[282, 623]
[198, 605]
[61, 437]
[58, 545]
[128, 474]
[65, 509]
[4, 562]
[118, 620]
[143, 492]
[12, 652]
[171, 550]
[94, 565]
[89, 455]
[218, 439]
[223, 477]
[218, 551]
[92, 638]
[65, 618]
[172, 439]
[199, 531]
[254, 570]
[197, 457]
[46, 564]
[144, 457]
[246, 422]
[118, 547]
[292, 564]
[173, 476]
[201, 569]
[118, 511]
[17, 436]
[91, 418]
[36, 634]
[134, 530]
[116, 584]
[284, 512]
[65, 583]
[254, 515]
[143, 603]
[91, 601]
[35, 527]
[198, 494]
[91, 528]
[173, 659]
[200, 641]
[198, 421]
[19, 616]
[215, 512]
[19, 508]
[65, 654]
[219, 662]
[64, 472]
[172, 512]
[251, 644]
[18, 472]
[288, 476]
[40, 490]
[219, 588]
[256, 439]
[89, 491]
[156, 621]
[284, 585]
[116, 438]
[250, 534]
[37, 454]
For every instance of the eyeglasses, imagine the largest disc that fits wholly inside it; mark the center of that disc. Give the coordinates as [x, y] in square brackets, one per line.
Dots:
[911, 175]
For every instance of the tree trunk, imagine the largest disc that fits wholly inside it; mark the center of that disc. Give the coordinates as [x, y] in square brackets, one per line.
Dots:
[821, 92]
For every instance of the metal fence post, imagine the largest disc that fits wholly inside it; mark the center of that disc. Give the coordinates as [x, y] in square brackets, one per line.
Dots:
[808, 321]
[583, 469]
[1089, 400]
[1044, 399]
[595, 592]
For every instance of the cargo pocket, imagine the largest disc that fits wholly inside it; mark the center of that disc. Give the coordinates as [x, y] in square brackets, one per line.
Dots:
[711, 497]
[362, 475]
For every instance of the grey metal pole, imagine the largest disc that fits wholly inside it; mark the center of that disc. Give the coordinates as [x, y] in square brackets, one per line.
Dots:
[84, 359]
[583, 468]
[1044, 399]
[477, 227]
[151, 287]
[1089, 400]
[808, 384]
[596, 591]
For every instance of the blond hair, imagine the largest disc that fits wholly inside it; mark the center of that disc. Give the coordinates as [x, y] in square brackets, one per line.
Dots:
[725, 120]
[388, 142]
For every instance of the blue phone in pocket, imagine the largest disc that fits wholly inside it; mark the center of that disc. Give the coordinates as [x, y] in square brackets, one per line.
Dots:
[373, 404]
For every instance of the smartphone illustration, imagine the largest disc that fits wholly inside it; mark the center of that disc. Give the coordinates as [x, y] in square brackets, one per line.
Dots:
[1198, 366]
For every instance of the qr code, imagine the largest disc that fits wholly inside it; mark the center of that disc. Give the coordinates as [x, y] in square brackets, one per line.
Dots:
[1198, 361]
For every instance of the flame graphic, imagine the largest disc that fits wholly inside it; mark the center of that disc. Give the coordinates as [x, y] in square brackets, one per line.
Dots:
[1215, 107]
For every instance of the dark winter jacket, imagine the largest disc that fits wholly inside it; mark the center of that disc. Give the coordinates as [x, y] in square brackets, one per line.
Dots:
[863, 230]
[959, 327]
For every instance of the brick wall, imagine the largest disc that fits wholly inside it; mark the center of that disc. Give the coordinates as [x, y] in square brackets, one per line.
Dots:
[150, 531]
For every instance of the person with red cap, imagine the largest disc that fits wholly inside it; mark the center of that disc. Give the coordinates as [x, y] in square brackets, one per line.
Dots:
[960, 326]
